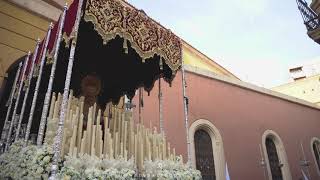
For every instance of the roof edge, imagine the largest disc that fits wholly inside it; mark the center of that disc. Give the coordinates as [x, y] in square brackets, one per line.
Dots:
[249, 86]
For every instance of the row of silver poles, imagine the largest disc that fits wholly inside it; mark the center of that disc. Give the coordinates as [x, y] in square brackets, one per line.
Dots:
[52, 74]
[26, 62]
[35, 95]
[28, 84]
[184, 85]
[59, 135]
[13, 90]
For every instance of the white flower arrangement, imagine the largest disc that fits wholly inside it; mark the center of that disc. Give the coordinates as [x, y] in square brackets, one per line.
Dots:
[32, 162]
[26, 162]
[93, 168]
[168, 169]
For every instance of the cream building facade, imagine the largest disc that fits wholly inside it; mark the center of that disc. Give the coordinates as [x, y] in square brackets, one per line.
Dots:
[305, 83]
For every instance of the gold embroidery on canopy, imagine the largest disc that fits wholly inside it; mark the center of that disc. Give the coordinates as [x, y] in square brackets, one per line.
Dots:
[112, 17]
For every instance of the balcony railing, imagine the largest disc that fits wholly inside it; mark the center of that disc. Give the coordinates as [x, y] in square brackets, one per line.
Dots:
[310, 18]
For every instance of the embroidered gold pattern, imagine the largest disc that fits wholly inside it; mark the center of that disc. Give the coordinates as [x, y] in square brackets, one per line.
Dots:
[113, 17]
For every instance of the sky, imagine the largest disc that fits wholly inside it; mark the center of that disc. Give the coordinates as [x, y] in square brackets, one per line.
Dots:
[257, 40]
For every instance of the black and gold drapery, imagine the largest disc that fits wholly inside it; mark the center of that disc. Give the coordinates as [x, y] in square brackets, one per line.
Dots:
[147, 38]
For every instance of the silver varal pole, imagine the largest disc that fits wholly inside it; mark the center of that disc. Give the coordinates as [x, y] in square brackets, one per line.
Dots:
[17, 100]
[4, 131]
[52, 74]
[28, 83]
[59, 134]
[160, 108]
[35, 95]
[185, 110]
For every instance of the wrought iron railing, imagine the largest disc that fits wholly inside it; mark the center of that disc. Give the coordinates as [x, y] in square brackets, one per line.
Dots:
[310, 18]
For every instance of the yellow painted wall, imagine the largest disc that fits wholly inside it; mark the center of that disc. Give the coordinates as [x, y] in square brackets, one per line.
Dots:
[196, 59]
[307, 89]
[19, 30]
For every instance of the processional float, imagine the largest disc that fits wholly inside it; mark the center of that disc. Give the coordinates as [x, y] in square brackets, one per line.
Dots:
[92, 29]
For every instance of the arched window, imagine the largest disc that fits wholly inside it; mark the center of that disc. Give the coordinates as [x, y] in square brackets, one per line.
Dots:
[315, 146]
[207, 154]
[275, 165]
[204, 155]
[275, 156]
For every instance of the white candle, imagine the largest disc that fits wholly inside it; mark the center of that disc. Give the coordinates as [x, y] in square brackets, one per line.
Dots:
[94, 113]
[106, 129]
[141, 153]
[84, 143]
[73, 139]
[135, 148]
[110, 144]
[100, 148]
[93, 141]
[79, 137]
[121, 149]
[52, 105]
[116, 146]
[125, 135]
[89, 129]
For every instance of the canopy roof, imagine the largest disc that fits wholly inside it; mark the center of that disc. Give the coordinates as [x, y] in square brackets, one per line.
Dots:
[115, 17]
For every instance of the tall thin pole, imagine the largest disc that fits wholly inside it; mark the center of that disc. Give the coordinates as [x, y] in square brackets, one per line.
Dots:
[59, 135]
[185, 111]
[27, 90]
[140, 101]
[17, 101]
[160, 108]
[52, 74]
[35, 95]
[5, 131]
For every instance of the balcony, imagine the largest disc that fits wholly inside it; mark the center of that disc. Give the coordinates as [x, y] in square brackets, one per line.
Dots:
[311, 19]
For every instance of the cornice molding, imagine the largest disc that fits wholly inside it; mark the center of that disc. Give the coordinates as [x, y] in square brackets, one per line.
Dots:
[249, 86]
